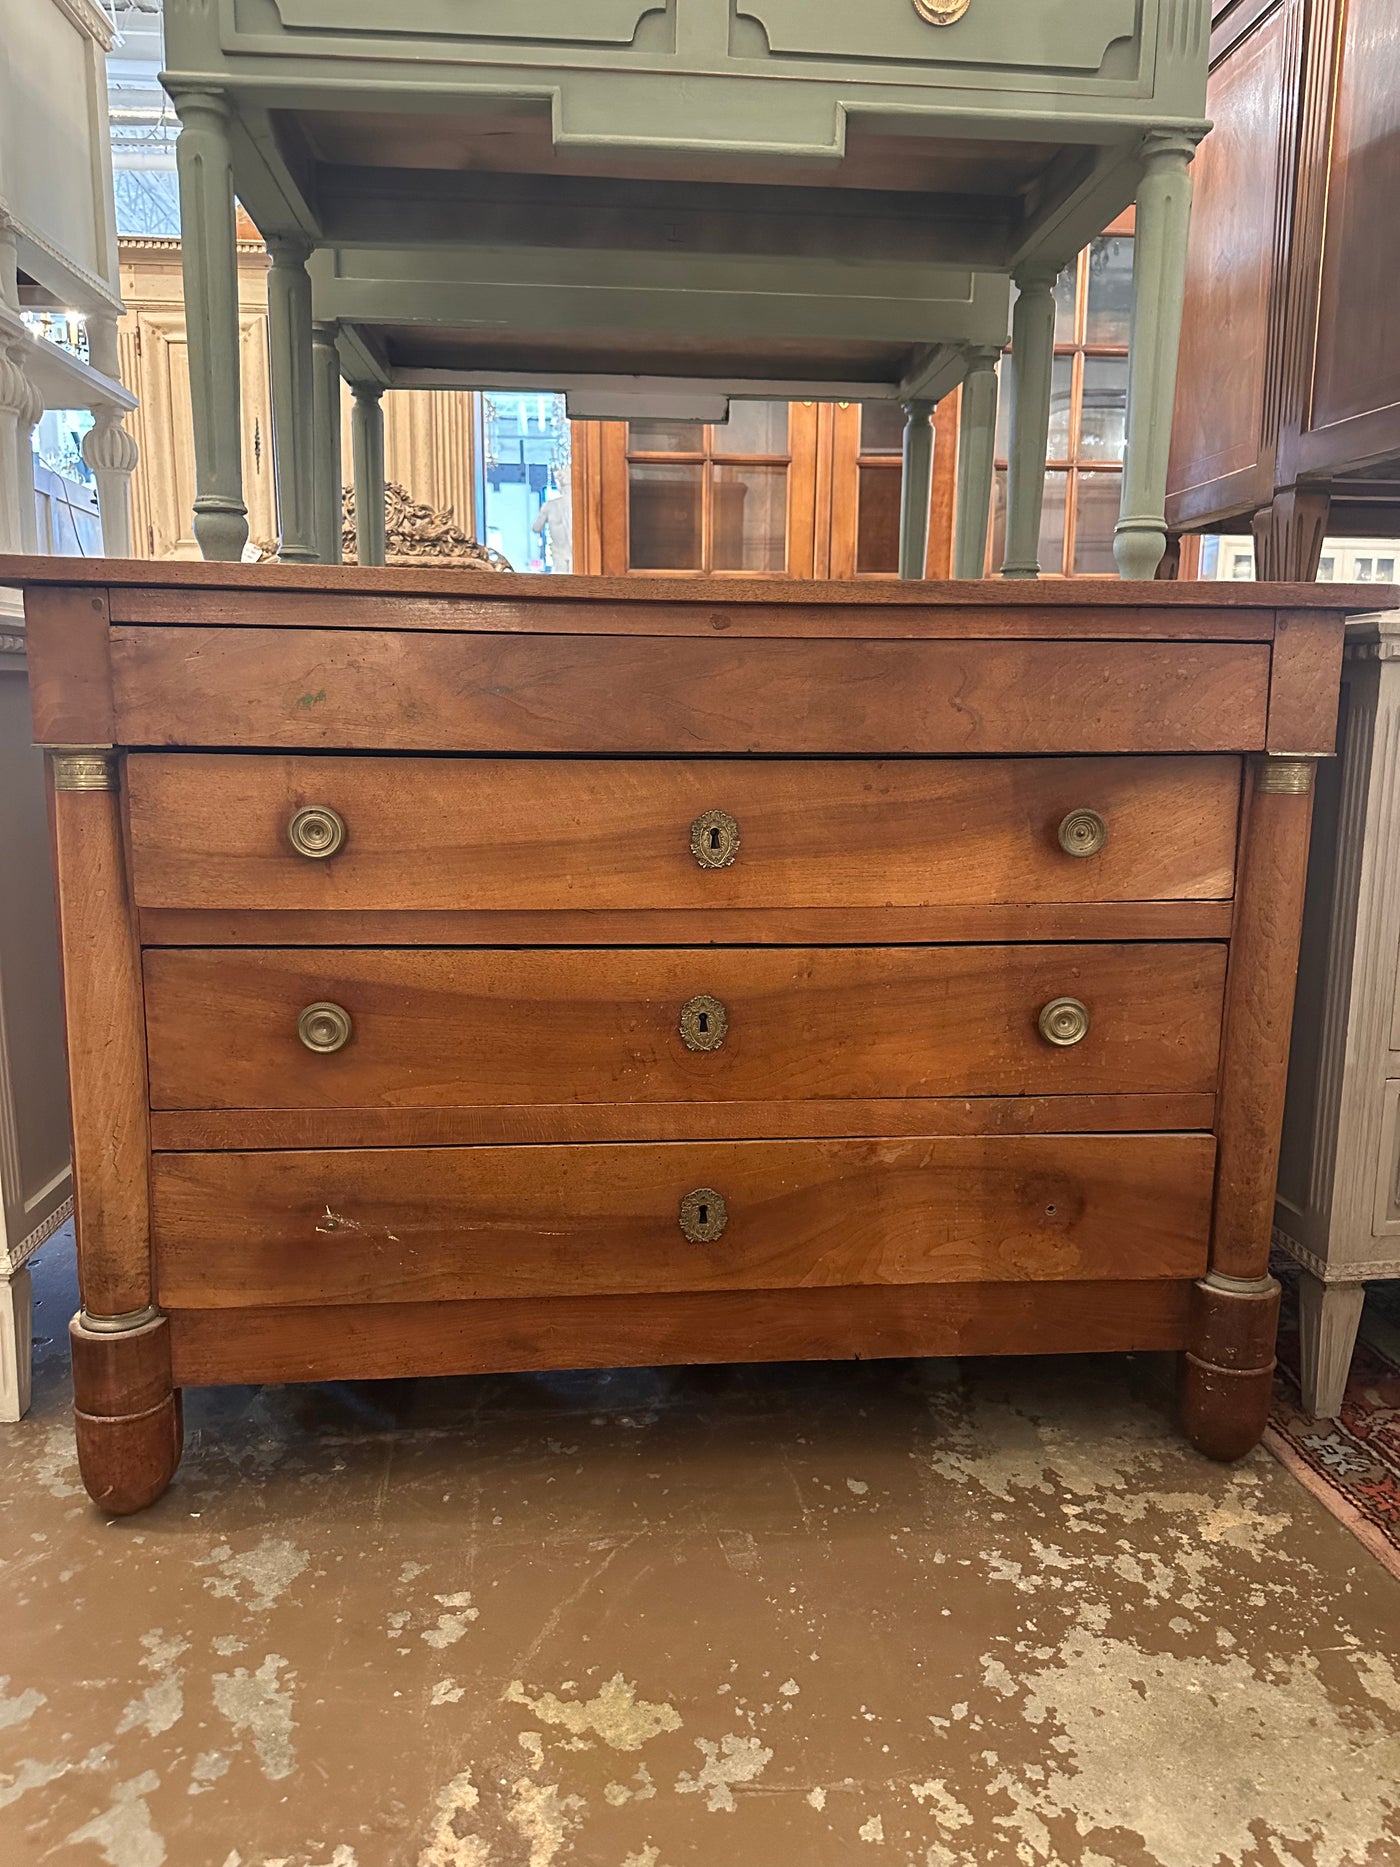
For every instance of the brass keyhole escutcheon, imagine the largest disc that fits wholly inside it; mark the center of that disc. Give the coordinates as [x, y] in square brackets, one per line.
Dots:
[704, 1023]
[704, 1215]
[941, 12]
[714, 839]
[1064, 1021]
[316, 831]
[1083, 833]
[324, 1028]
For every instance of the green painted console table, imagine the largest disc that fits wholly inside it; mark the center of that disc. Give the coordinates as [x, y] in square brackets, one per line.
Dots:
[673, 202]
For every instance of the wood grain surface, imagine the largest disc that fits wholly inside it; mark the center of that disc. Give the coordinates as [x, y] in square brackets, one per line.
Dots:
[440, 1224]
[357, 1342]
[70, 678]
[436, 1028]
[1305, 682]
[677, 612]
[271, 581]
[106, 1052]
[977, 923]
[541, 1122]
[327, 689]
[1258, 1027]
[608, 835]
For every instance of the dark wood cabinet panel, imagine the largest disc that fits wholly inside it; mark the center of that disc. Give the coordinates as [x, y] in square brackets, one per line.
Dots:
[1288, 399]
[1222, 442]
[1356, 358]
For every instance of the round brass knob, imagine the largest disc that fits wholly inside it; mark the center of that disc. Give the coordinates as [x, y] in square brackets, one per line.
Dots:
[324, 1028]
[704, 1023]
[1083, 833]
[704, 1215]
[316, 830]
[714, 839]
[1064, 1021]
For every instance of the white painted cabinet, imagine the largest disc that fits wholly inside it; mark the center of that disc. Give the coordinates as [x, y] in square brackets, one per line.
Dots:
[1338, 1211]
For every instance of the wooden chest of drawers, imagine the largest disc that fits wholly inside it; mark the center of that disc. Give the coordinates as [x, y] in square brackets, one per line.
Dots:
[518, 973]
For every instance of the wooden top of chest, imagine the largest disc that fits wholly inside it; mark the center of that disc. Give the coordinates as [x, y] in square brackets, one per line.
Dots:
[133, 591]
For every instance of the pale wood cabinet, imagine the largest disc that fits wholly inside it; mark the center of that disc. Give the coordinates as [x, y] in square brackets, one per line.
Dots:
[155, 363]
[428, 447]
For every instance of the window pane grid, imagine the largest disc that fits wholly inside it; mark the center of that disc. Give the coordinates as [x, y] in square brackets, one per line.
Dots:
[699, 503]
[1083, 480]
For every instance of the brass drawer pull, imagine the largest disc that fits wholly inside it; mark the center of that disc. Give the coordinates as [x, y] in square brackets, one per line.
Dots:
[704, 1215]
[704, 1023]
[1064, 1021]
[324, 1028]
[714, 839]
[941, 12]
[316, 830]
[1083, 833]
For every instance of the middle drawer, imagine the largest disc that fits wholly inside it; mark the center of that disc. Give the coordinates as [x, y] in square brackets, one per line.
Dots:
[314, 1028]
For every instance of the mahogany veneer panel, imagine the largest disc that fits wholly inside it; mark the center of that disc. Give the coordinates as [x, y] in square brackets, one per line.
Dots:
[439, 1224]
[360, 1342]
[593, 835]
[347, 689]
[437, 1029]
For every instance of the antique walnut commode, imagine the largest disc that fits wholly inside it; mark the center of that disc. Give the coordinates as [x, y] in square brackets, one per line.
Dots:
[520, 973]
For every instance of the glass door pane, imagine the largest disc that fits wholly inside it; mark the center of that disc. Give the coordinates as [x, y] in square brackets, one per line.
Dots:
[1097, 499]
[750, 518]
[666, 515]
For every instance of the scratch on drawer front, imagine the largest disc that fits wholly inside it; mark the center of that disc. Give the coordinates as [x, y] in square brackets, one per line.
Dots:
[337, 1222]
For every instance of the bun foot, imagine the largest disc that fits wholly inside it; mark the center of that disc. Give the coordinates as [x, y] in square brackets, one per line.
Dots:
[126, 1413]
[1228, 1371]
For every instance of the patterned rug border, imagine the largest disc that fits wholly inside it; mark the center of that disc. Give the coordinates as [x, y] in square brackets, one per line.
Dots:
[1364, 1438]
[1375, 1539]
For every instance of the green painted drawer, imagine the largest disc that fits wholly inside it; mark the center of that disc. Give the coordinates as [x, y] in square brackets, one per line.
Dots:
[1046, 35]
[527, 22]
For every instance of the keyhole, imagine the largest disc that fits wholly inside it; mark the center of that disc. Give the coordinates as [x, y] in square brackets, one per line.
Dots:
[704, 1021]
[714, 839]
[704, 1215]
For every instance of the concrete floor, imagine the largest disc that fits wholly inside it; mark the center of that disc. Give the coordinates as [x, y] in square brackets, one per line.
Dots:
[902, 1613]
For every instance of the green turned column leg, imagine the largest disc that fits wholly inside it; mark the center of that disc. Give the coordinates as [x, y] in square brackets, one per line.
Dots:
[293, 430]
[325, 393]
[1032, 364]
[1159, 287]
[917, 489]
[977, 444]
[211, 321]
[367, 444]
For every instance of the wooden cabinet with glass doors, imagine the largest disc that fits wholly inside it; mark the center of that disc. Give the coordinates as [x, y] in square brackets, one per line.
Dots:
[800, 489]
[809, 489]
[1088, 415]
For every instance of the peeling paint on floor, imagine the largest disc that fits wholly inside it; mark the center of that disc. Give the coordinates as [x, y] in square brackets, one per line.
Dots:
[905, 1613]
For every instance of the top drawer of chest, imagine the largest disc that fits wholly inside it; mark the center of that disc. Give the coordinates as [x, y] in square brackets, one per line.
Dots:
[401, 690]
[296, 831]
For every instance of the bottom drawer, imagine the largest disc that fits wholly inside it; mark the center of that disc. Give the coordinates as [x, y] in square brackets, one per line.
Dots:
[365, 1342]
[437, 1224]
